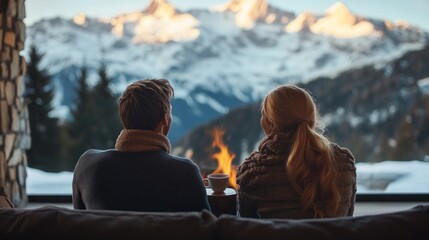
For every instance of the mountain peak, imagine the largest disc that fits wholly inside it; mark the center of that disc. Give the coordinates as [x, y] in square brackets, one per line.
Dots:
[160, 8]
[161, 23]
[247, 11]
[340, 22]
[158, 23]
[80, 19]
[338, 8]
[341, 13]
[243, 5]
[301, 22]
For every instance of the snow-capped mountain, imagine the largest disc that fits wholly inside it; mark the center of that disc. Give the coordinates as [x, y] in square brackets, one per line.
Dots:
[159, 23]
[216, 59]
[377, 113]
[248, 13]
[338, 21]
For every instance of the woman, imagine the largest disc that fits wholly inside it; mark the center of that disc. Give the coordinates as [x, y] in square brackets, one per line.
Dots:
[296, 172]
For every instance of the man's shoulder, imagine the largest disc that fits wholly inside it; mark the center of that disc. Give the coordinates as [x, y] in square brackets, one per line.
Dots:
[98, 151]
[180, 160]
[93, 154]
[103, 157]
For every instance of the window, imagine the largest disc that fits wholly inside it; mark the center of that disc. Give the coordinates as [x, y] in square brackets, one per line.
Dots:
[364, 62]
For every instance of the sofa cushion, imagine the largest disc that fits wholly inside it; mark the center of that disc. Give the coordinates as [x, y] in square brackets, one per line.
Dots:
[62, 223]
[408, 224]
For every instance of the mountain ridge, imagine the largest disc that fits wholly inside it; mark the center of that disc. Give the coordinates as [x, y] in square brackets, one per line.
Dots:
[214, 64]
[386, 120]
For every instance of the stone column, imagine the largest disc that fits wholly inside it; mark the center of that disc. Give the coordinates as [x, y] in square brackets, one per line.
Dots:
[14, 126]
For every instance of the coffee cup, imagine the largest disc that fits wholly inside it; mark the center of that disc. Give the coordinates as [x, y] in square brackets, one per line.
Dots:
[217, 182]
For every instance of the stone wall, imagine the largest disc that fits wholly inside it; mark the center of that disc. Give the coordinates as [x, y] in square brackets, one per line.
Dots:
[14, 126]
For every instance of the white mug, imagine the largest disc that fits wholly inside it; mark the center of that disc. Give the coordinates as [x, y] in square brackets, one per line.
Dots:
[217, 181]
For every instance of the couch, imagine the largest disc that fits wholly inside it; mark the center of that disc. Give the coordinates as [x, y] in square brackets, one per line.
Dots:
[61, 223]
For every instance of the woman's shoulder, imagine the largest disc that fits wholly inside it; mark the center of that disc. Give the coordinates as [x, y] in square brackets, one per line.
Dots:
[259, 159]
[249, 162]
[343, 156]
[261, 170]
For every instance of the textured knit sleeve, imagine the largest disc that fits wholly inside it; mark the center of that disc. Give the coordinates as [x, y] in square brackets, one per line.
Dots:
[5, 202]
[246, 206]
[352, 200]
[347, 181]
[351, 160]
[352, 172]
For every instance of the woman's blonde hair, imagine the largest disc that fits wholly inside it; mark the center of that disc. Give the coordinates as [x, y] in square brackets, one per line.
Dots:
[310, 165]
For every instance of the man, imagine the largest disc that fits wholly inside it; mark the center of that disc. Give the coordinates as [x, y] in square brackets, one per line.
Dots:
[140, 174]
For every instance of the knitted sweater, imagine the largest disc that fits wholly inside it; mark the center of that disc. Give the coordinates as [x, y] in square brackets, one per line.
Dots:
[5, 202]
[266, 192]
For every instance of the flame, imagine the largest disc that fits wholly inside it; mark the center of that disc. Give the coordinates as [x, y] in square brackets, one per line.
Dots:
[223, 157]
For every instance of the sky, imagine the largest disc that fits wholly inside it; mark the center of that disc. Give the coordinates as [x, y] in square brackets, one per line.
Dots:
[414, 12]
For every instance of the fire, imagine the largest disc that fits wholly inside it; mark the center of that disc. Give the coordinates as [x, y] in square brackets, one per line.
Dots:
[223, 157]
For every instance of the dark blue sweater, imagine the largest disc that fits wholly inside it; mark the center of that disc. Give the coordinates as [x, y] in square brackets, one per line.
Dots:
[137, 181]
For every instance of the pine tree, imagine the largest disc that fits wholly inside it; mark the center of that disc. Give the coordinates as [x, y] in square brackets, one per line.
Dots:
[81, 127]
[405, 141]
[95, 121]
[385, 150]
[44, 128]
[108, 125]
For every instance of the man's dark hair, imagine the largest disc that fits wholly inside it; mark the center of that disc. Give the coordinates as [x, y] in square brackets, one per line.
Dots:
[144, 103]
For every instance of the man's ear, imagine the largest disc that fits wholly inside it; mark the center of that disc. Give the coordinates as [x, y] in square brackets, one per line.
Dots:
[164, 120]
[161, 124]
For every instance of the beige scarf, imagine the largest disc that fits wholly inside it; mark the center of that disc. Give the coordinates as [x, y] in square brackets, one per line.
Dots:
[142, 141]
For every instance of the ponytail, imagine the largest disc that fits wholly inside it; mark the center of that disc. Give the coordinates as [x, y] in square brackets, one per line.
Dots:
[311, 171]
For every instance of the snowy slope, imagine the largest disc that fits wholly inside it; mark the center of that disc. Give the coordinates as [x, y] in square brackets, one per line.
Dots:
[383, 177]
[220, 58]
